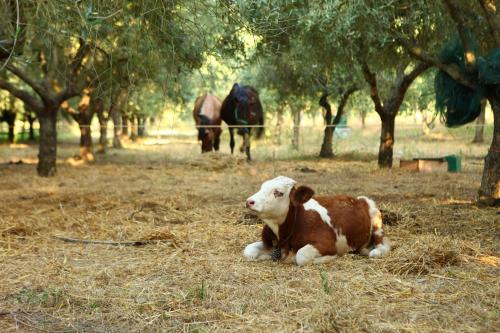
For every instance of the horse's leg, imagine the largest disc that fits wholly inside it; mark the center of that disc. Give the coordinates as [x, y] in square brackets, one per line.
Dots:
[244, 134]
[231, 139]
[246, 144]
[217, 142]
[242, 147]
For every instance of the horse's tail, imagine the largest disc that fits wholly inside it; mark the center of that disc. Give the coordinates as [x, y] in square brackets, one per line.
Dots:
[260, 130]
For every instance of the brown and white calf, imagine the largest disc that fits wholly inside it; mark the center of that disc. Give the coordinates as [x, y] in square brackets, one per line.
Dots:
[313, 230]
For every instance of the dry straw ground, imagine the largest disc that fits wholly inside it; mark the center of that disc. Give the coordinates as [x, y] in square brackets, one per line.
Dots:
[442, 275]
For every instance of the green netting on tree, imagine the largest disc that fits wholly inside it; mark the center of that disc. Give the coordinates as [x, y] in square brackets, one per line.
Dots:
[453, 51]
[489, 69]
[456, 103]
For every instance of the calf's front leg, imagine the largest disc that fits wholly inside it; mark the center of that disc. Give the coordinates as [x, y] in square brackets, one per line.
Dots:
[257, 251]
[308, 254]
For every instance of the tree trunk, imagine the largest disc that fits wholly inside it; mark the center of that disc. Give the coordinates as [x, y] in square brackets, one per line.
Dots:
[86, 147]
[86, 110]
[141, 127]
[125, 124]
[47, 152]
[426, 124]
[326, 147]
[363, 114]
[84, 119]
[489, 193]
[10, 118]
[296, 128]
[133, 128]
[390, 108]
[31, 121]
[103, 126]
[47, 104]
[279, 124]
[385, 151]
[119, 122]
[479, 133]
[117, 127]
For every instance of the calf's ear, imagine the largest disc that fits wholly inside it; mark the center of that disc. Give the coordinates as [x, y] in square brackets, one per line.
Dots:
[301, 195]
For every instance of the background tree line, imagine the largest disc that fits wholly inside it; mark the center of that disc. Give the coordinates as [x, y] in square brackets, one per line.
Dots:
[120, 60]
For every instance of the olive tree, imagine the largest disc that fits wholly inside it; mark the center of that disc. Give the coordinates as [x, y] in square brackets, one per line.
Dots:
[469, 66]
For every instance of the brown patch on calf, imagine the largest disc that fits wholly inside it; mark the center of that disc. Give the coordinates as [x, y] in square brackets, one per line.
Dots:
[349, 217]
[306, 227]
[269, 238]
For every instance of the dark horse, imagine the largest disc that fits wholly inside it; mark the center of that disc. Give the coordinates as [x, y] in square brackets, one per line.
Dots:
[207, 112]
[242, 107]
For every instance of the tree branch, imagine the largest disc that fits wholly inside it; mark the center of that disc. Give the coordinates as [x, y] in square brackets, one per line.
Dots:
[67, 94]
[8, 48]
[115, 243]
[490, 10]
[76, 64]
[469, 54]
[71, 89]
[31, 101]
[419, 69]
[36, 86]
[371, 79]
[323, 102]
[342, 103]
[398, 91]
[451, 69]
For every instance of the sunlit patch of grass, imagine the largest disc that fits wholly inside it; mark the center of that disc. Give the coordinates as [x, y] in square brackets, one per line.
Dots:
[489, 260]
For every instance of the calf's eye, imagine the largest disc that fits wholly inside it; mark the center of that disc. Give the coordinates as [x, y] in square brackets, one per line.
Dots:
[278, 194]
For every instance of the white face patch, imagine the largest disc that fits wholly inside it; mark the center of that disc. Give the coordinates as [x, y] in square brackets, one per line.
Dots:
[273, 199]
[323, 213]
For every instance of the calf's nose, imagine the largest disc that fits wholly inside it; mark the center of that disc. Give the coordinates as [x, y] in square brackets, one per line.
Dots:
[250, 203]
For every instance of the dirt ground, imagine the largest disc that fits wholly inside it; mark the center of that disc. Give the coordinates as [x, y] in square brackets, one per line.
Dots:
[442, 274]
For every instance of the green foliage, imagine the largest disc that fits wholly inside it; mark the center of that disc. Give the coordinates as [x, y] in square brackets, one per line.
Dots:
[201, 291]
[420, 95]
[48, 297]
[289, 50]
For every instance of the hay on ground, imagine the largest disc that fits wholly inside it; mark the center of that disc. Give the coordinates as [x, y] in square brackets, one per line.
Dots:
[441, 276]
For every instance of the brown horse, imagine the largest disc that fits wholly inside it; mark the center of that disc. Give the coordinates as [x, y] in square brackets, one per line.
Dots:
[207, 112]
[240, 108]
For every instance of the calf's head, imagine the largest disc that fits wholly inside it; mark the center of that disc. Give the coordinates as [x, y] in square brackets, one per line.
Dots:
[275, 196]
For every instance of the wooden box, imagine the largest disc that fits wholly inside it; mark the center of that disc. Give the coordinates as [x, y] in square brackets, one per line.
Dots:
[425, 164]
